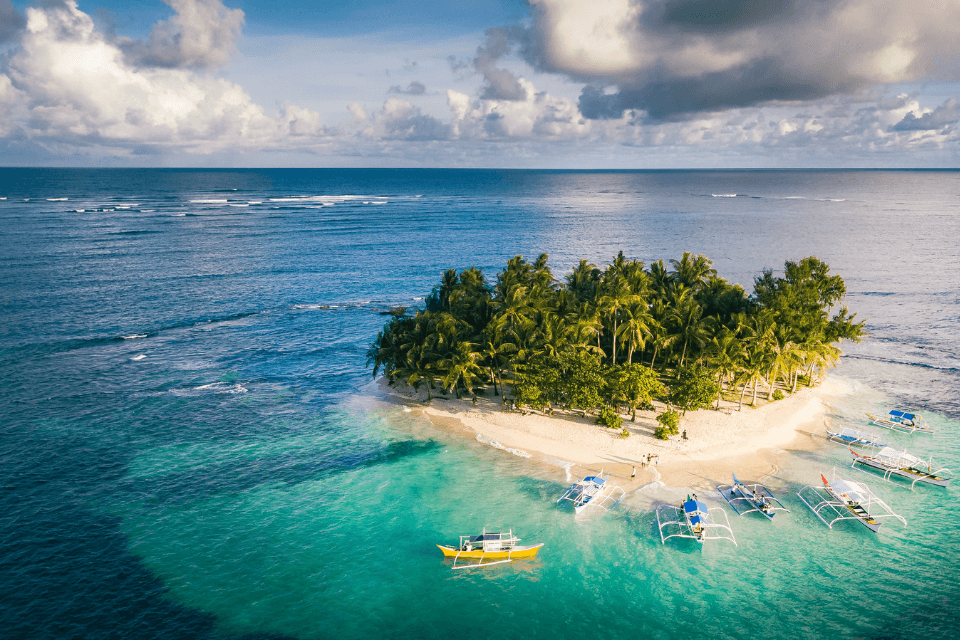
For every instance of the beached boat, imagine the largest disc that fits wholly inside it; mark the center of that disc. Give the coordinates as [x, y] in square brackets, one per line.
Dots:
[693, 519]
[902, 421]
[903, 464]
[487, 549]
[841, 499]
[593, 492]
[856, 437]
[745, 498]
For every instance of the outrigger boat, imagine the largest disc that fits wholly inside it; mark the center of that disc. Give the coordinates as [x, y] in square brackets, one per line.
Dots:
[906, 465]
[902, 421]
[744, 498]
[856, 437]
[846, 500]
[488, 549]
[593, 491]
[699, 522]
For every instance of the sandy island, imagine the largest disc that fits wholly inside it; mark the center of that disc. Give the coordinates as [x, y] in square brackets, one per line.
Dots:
[749, 441]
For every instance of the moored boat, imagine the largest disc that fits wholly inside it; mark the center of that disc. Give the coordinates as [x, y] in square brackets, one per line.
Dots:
[699, 521]
[903, 464]
[842, 499]
[856, 437]
[745, 498]
[487, 549]
[902, 421]
[592, 491]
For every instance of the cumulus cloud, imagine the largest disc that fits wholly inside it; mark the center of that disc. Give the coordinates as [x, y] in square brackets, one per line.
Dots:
[415, 88]
[672, 58]
[11, 22]
[501, 84]
[68, 84]
[943, 116]
[202, 33]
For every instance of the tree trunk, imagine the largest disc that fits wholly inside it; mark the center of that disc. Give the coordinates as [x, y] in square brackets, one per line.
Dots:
[742, 392]
[755, 381]
[614, 341]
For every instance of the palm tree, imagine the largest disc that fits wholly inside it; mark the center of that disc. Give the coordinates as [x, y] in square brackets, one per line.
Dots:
[461, 368]
[616, 298]
[693, 271]
[691, 327]
[725, 354]
[635, 328]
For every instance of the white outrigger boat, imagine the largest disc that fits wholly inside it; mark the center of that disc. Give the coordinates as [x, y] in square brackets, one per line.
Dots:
[593, 491]
[699, 522]
[902, 421]
[745, 498]
[846, 500]
[901, 463]
[488, 549]
[857, 437]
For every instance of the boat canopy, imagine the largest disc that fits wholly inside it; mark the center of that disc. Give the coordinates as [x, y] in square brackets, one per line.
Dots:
[901, 457]
[594, 479]
[904, 415]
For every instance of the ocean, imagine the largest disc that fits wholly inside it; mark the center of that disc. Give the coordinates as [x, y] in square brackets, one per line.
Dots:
[193, 446]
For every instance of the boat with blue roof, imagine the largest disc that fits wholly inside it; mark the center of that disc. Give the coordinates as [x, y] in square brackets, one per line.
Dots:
[693, 519]
[592, 492]
[902, 421]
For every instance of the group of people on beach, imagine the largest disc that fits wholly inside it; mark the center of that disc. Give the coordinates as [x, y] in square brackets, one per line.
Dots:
[645, 461]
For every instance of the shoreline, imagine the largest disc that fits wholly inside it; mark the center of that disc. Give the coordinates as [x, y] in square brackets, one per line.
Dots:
[750, 442]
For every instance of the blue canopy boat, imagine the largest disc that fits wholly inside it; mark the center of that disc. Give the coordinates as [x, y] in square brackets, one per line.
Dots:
[699, 522]
[902, 421]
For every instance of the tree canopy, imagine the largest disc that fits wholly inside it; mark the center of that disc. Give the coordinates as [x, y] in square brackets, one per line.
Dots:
[609, 337]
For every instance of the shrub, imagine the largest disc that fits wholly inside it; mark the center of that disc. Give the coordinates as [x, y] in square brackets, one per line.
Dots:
[624, 433]
[661, 433]
[778, 394]
[670, 422]
[609, 418]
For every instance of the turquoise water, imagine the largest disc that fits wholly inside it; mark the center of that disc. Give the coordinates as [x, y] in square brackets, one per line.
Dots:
[192, 446]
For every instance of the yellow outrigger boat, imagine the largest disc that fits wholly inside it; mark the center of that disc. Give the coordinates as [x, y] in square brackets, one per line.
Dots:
[488, 549]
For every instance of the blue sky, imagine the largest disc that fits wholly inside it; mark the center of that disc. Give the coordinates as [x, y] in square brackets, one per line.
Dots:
[490, 83]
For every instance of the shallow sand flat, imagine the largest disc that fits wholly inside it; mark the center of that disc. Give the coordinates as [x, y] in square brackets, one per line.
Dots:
[750, 440]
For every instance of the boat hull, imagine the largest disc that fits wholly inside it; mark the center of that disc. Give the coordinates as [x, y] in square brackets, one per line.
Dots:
[936, 481]
[478, 554]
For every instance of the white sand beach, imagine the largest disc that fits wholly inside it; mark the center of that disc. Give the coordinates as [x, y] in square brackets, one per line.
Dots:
[750, 440]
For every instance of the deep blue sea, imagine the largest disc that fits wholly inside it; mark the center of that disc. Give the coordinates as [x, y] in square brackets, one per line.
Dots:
[191, 445]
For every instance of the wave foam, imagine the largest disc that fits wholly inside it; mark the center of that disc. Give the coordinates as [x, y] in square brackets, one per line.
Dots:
[222, 387]
[139, 357]
[724, 195]
[211, 201]
[134, 336]
[496, 445]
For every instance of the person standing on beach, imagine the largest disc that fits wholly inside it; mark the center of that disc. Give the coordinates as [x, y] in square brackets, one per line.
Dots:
[634, 474]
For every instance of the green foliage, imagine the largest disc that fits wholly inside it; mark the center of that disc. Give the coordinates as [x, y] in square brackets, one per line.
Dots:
[609, 418]
[633, 384]
[570, 379]
[669, 425]
[577, 343]
[778, 395]
[670, 419]
[695, 388]
[624, 433]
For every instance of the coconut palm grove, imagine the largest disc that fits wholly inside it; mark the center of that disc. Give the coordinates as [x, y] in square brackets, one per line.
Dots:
[600, 340]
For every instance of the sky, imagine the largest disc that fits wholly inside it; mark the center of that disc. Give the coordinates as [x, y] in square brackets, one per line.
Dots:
[567, 84]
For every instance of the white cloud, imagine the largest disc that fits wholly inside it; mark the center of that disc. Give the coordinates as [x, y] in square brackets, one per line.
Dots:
[73, 86]
[202, 33]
